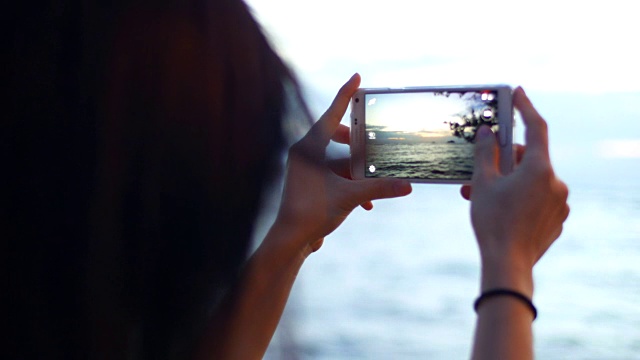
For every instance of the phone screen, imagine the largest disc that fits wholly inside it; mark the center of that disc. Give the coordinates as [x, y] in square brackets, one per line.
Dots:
[425, 135]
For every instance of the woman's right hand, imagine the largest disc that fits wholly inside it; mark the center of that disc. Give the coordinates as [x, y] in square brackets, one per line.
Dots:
[516, 217]
[317, 196]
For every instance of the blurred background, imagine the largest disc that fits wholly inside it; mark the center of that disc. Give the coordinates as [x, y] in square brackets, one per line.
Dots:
[399, 281]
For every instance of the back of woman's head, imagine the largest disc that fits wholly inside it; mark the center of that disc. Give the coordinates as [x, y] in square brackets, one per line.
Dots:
[142, 134]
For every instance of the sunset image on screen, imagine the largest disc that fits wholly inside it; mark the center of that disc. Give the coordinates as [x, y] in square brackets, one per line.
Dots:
[425, 135]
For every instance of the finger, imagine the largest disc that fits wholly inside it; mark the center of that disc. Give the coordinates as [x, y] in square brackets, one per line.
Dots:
[329, 121]
[536, 135]
[367, 205]
[565, 212]
[556, 234]
[317, 244]
[342, 167]
[373, 189]
[518, 152]
[563, 190]
[485, 156]
[314, 143]
[341, 135]
[465, 191]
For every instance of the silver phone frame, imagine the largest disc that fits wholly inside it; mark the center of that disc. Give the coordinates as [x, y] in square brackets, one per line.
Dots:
[505, 122]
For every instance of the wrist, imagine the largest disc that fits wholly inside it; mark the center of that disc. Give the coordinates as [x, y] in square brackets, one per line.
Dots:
[500, 292]
[290, 241]
[507, 273]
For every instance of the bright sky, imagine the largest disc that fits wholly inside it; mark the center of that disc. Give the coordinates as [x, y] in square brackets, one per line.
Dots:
[557, 45]
[547, 46]
[414, 112]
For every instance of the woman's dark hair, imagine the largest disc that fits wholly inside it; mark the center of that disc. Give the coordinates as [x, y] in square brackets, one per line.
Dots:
[140, 136]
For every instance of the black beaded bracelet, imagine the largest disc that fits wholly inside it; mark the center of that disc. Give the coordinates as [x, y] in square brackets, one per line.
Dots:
[499, 292]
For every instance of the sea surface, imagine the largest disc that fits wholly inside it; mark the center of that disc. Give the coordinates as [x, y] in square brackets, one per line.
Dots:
[399, 282]
[421, 160]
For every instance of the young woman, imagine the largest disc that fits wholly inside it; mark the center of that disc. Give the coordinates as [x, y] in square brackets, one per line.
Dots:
[140, 138]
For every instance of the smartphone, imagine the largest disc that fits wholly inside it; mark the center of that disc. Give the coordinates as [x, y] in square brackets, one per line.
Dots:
[427, 134]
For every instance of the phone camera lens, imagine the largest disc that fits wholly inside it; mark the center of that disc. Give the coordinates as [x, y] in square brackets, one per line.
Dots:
[357, 99]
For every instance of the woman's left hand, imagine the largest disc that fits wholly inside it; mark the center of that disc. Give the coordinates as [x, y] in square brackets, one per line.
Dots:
[319, 194]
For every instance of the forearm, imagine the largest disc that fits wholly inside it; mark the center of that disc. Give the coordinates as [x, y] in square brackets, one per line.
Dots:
[245, 325]
[503, 328]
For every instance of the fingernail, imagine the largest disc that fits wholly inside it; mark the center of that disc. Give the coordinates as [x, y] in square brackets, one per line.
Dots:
[402, 187]
[483, 132]
[352, 78]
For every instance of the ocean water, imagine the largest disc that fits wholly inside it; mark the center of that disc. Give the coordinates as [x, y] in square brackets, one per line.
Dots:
[421, 160]
[399, 282]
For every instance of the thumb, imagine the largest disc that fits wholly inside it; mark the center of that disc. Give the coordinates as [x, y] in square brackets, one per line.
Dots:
[485, 155]
[372, 189]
